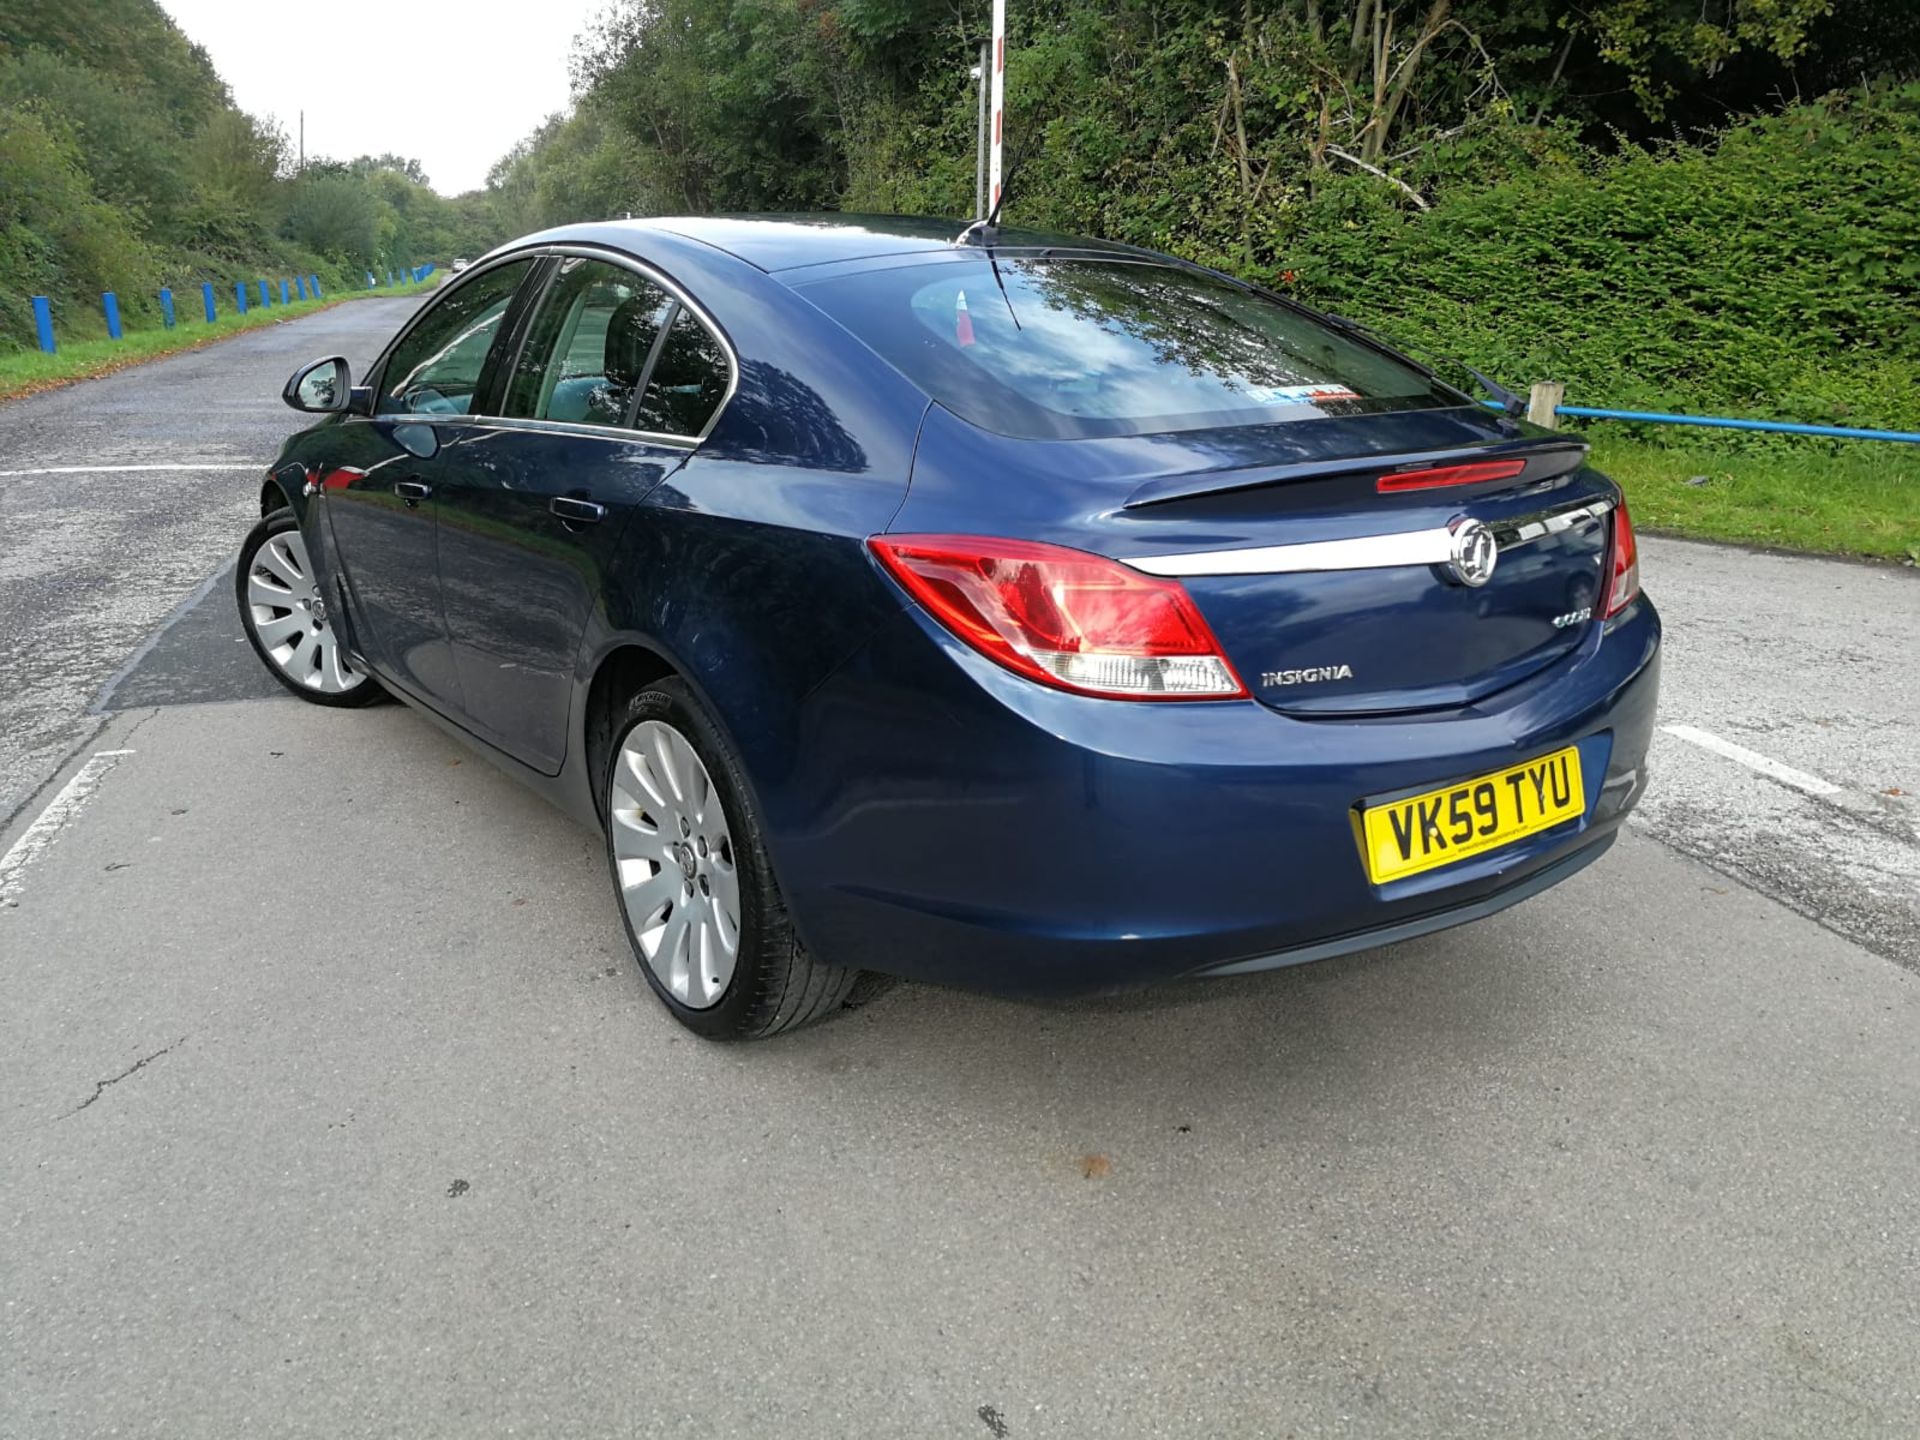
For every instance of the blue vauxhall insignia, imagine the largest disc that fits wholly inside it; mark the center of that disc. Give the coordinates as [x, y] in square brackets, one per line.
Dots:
[999, 609]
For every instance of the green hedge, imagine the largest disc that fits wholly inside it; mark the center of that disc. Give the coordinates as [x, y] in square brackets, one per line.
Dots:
[1774, 274]
[1771, 271]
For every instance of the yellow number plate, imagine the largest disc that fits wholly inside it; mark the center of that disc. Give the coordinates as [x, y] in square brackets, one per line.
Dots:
[1404, 837]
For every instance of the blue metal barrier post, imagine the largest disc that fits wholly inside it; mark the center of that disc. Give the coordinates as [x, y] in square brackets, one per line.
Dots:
[240, 296]
[206, 294]
[283, 293]
[313, 281]
[112, 304]
[43, 322]
[166, 307]
[300, 286]
[265, 297]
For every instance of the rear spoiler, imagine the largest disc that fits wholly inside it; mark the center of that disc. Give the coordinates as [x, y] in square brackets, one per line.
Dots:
[1545, 459]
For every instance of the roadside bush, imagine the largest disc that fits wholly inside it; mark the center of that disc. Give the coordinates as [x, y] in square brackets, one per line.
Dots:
[1774, 273]
[1770, 270]
[56, 237]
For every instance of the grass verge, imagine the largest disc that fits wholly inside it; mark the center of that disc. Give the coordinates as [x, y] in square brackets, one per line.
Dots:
[1862, 500]
[28, 371]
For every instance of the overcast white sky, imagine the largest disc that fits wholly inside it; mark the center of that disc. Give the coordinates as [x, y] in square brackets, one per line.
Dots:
[452, 85]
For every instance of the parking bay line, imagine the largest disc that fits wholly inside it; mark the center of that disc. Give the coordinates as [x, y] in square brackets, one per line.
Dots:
[1754, 760]
[60, 812]
[126, 469]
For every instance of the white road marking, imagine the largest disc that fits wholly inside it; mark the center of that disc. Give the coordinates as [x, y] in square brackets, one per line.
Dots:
[59, 813]
[125, 469]
[1753, 760]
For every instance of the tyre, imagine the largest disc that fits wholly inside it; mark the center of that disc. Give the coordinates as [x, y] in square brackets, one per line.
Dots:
[702, 912]
[285, 617]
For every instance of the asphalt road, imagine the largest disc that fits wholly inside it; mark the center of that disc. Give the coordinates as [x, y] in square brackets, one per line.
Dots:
[94, 556]
[330, 1103]
[1814, 666]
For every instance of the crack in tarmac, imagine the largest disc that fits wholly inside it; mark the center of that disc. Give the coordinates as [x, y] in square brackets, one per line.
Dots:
[100, 1087]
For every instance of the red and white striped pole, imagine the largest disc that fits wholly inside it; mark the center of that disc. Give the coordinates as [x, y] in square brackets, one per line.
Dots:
[999, 102]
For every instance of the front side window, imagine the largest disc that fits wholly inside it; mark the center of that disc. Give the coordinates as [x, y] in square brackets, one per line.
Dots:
[589, 346]
[437, 369]
[1059, 349]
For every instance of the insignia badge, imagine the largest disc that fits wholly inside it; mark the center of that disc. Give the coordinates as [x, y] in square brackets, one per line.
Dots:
[1306, 675]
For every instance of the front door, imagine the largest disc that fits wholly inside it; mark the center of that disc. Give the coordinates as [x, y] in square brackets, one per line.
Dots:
[383, 497]
[600, 408]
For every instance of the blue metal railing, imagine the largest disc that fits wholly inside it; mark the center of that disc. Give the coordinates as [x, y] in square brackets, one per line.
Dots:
[308, 285]
[1717, 422]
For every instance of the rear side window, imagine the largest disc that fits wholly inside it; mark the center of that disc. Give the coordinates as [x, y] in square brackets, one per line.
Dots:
[1059, 349]
[688, 380]
[436, 369]
[589, 346]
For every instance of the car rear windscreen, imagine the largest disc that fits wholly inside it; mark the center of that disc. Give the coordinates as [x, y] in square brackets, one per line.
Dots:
[1049, 348]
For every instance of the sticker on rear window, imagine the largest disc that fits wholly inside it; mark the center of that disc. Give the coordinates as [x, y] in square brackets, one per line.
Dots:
[1301, 394]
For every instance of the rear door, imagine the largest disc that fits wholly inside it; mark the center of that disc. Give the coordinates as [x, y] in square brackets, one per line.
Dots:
[382, 499]
[616, 380]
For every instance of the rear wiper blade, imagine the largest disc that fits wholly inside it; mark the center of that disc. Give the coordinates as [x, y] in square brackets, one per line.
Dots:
[1509, 402]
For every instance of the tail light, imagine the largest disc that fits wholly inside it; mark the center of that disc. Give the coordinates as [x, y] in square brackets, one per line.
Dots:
[1623, 563]
[1076, 621]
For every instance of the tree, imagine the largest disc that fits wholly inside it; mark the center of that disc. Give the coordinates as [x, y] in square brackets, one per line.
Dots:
[337, 215]
[56, 236]
[132, 41]
[399, 164]
[1662, 44]
[131, 144]
[237, 160]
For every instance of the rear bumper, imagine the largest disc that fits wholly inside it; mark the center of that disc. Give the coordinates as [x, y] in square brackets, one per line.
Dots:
[947, 821]
[1525, 888]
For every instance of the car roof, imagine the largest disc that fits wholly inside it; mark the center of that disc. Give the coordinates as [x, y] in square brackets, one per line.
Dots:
[789, 242]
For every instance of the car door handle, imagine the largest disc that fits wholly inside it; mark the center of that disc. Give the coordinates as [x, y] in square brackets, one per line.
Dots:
[577, 512]
[412, 491]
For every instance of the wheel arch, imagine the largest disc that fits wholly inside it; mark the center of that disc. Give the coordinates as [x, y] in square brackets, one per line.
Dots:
[627, 664]
[282, 487]
[621, 672]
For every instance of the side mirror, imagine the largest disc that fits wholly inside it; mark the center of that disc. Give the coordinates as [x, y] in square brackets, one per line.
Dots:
[322, 388]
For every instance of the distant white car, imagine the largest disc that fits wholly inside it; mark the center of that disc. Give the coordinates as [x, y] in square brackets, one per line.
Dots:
[460, 265]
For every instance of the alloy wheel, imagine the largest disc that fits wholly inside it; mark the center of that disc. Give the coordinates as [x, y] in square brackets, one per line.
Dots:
[289, 615]
[675, 860]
